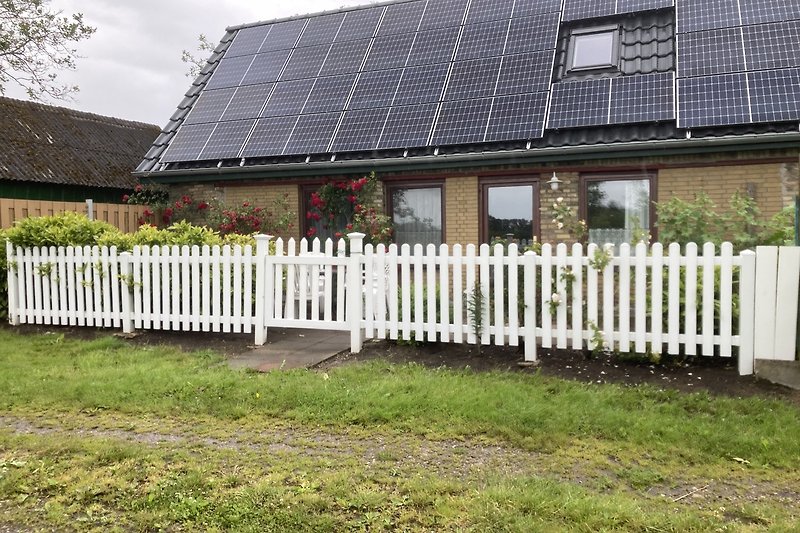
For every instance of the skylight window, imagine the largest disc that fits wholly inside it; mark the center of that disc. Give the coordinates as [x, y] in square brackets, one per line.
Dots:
[593, 49]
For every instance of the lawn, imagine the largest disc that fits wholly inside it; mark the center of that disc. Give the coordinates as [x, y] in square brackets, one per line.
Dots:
[100, 434]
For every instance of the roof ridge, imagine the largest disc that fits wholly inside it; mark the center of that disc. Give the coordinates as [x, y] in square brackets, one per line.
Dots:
[77, 113]
[343, 9]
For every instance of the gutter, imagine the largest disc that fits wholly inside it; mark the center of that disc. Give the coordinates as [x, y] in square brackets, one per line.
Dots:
[520, 156]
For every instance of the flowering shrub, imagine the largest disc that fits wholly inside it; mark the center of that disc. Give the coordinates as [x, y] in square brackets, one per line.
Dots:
[348, 206]
[564, 217]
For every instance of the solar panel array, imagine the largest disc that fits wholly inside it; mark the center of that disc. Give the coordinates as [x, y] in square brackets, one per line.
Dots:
[738, 61]
[418, 73]
[589, 9]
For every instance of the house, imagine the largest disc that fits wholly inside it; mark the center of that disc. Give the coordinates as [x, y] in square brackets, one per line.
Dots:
[467, 109]
[54, 153]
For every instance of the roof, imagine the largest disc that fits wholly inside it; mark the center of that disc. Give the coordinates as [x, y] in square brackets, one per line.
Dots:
[47, 144]
[332, 87]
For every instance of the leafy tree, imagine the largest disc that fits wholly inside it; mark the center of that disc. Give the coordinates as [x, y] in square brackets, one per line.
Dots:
[196, 63]
[35, 43]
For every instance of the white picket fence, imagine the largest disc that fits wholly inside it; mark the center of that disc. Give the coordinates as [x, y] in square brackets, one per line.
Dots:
[635, 299]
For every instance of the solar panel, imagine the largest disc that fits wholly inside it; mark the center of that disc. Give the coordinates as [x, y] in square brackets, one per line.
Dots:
[269, 136]
[360, 129]
[210, 106]
[227, 139]
[408, 126]
[775, 95]
[266, 67]
[523, 9]
[401, 18]
[421, 85]
[525, 73]
[247, 102]
[188, 142]
[758, 11]
[482, 40]
[630, 6]
[283, 35]
[313, 133]
[288, 98]
[229, 72]
[473, 79]
[375, 89]
[772, 45]
[695, 15]
[433, 46]
[579, 103]
[330, 94]
[643, 98]
[587, 9]
[305, 62]
[443, 14]
[345, 57]
[389, 52]
[530, 34]
[484, 10]
[247, 41]
[359, 24]
[462, 121]
[321, 30]
[710, 52]
[713, 101]
[518, 116]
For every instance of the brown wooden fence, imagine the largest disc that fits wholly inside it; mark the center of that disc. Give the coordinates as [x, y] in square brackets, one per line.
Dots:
[125, 217]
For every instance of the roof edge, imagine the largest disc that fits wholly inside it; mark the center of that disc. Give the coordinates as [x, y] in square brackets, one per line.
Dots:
[317, 14]
[83, 114]
[629, 149]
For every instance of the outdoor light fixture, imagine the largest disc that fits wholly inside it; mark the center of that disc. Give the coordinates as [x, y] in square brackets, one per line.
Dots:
[554, 182]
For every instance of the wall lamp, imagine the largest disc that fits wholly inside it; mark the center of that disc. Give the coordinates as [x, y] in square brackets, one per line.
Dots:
[554, 182]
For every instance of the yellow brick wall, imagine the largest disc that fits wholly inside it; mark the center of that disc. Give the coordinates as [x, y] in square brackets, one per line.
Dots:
[269, 196]
[568, 192]
[461, 210]
[720, 182]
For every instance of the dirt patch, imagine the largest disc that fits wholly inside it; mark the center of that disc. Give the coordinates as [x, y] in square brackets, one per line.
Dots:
[715, 375]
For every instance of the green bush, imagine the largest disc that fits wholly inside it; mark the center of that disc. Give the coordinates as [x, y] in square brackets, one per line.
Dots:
[66, 229]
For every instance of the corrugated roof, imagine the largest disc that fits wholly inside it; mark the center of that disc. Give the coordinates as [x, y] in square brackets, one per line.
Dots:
[47, 144]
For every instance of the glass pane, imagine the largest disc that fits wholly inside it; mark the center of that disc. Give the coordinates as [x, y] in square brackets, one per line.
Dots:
[617, 210]
[510, 212]
[593, 50]
[417, 215]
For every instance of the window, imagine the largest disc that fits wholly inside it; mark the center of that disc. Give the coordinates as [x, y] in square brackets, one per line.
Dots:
[593, 49]
[416, 214]
[618, 208]
[509, 211]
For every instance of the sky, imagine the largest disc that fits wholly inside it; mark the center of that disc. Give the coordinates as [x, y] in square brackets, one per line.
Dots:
[131, 67]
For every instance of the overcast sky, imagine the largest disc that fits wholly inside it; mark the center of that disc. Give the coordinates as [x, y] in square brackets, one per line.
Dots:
[132, 68]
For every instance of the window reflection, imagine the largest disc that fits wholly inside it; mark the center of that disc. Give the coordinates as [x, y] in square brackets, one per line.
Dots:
[510, 212]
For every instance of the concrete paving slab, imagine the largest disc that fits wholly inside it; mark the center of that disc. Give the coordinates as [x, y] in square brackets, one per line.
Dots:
[292, 348]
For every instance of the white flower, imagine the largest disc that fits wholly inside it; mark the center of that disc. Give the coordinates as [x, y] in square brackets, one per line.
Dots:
[555, 298]
[560, 225]
[560, 199]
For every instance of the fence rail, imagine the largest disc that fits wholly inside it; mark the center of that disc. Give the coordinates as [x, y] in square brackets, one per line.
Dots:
[635, 299]
[124, 217]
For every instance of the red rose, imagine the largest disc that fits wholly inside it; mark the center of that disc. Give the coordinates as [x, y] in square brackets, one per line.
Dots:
[202, 205]
[168, 212]
[186, 200]
[147, 213]
[125, 198]
[311, 232]
[138, 188]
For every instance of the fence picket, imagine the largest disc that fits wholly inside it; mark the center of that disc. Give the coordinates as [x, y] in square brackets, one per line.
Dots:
[63, 295]
[341, 276]
[36, 272]
[499, 286]
[708, 299]
[44, 274]
[369, 291]
[71, 290]
[247, 297]
[380, 290]
[608, 298]
[470, 291]
[530, 296]
[690, 298]
[392, 290]
[186, 289]
[278, 308]
[656, 297]
[205, 254]
[640, 317]
[484, 272]
[576, 264]
[591, 288]
[513, 295]
[430, 283]
[673, 297]
[314, 282]
[105, 275]
[547, 295]
[726, 300]
[148, 291]
[216, 287]
[164, 295]
[419, 300]
[328, 298]
[458, 295]
[197, 283]
[624, 320]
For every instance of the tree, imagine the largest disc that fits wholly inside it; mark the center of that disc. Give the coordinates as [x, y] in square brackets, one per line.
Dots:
[195, 63]
[35, 43]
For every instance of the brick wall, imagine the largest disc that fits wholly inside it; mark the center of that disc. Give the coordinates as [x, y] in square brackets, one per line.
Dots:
[269, 197]
[461, 210]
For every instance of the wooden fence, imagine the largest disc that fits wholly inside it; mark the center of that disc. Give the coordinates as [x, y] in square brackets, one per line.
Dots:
[637, 299]
[125, 217]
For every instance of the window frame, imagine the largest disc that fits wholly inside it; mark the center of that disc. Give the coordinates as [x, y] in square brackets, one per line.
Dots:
[650, 175]
[612, 29]
[483, 207]
[390, 187]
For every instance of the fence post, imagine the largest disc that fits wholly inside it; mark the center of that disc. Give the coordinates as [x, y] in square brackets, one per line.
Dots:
[262, 272]
[127, 289]
[529, 293]
[747, 315]
[13, 285]
[355, 281]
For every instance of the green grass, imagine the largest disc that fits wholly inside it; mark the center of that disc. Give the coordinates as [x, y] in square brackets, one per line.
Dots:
[585, 457]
